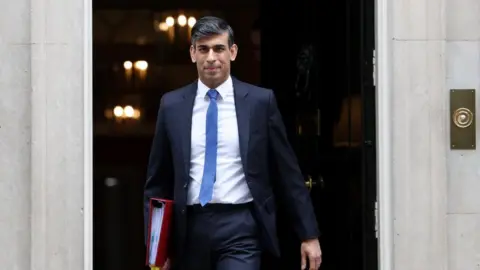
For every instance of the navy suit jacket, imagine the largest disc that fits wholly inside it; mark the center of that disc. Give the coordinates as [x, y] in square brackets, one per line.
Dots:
[263, 146]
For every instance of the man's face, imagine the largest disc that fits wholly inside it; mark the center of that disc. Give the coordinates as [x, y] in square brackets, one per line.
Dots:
[212, 56]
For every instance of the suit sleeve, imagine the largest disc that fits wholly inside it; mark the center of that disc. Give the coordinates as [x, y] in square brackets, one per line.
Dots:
[159, 182]
[291, 185]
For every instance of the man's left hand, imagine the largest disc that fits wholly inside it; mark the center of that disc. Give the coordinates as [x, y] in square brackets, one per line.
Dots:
[310, 250]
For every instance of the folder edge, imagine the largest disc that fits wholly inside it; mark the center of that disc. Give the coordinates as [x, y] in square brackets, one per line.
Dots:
[163, 244]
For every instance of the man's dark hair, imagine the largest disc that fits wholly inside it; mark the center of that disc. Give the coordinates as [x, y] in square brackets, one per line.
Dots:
[210, 26]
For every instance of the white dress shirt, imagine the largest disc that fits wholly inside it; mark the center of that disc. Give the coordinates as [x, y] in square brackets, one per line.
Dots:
[230, 184]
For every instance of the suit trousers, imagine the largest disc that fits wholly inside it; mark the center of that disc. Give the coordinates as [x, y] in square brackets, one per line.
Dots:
[221, 237]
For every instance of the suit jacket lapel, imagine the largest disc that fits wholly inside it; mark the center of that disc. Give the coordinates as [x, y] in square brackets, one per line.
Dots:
[186, 130]
[243, 118]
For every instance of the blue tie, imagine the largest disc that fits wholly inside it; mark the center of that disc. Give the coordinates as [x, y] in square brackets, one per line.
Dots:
[210, 167]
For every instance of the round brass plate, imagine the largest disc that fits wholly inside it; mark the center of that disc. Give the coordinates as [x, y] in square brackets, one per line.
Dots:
[463, 117]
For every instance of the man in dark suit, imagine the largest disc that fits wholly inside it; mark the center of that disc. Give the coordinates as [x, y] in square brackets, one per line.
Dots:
[215, 144]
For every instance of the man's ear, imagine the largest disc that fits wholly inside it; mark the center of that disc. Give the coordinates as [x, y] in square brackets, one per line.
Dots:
[192, 53]
[233, 52]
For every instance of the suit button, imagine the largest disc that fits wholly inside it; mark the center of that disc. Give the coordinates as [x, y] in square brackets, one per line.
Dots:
[183, 211]
[185, 186]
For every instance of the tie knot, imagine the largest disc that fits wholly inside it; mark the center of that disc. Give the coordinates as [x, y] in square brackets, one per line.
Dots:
[212, 94]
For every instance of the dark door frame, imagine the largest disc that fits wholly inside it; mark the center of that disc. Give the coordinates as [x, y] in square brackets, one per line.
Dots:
[363, 12]
[369, 174]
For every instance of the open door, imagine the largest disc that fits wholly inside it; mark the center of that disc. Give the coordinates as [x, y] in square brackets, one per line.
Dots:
[318, 58]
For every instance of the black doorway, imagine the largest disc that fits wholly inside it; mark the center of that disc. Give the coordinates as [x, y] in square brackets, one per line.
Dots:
[318, 57]
[330, 120]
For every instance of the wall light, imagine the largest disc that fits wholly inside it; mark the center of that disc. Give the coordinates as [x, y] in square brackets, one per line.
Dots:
[170, 21]
[192, 21]
[128, 65]
[182, 20]
[163, 26]
[118, 111]
[141, 65]
[123, 112]
[128, 111]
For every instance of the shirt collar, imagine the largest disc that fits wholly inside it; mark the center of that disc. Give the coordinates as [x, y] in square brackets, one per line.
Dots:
[225, 89]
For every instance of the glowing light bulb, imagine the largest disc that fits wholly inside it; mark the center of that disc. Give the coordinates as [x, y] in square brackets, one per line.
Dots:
[129, 111]
[128, 65]
[170, 21]
[182, 20]
[163, 26]
[192, 21]
[141, 65]
[118, 111]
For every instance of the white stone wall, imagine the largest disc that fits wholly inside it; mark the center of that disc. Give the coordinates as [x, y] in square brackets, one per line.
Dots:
[41, 135]
[15, 132]
[463, 71]
[435, 47]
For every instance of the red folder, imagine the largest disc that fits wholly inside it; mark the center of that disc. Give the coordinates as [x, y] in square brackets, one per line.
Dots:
[159, 221]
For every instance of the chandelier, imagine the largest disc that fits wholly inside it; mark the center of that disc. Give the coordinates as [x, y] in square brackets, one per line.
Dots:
[176, 27]
[181, 21]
